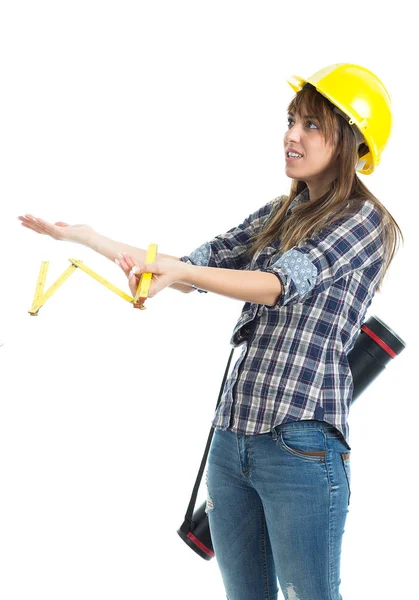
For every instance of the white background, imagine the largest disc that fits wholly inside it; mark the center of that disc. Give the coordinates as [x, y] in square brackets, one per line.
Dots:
[163, 122]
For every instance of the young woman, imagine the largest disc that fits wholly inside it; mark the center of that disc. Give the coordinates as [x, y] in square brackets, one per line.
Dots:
[307, 266]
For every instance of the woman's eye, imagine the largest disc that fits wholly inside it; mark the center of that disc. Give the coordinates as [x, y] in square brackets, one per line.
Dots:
[291, 122]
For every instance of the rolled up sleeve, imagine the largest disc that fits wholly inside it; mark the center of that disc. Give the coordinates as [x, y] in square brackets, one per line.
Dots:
[352, 243]
[229, 250]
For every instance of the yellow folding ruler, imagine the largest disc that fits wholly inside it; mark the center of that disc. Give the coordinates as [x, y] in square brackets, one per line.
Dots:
[143, 288]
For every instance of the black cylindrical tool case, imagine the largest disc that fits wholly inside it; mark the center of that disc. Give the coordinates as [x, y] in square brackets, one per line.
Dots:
[374, 348]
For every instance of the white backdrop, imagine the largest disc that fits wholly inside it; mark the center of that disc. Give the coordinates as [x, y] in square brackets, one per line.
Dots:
[163, 122]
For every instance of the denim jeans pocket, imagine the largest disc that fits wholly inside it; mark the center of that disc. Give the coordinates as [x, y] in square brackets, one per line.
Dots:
[346, 459]
[305, 444]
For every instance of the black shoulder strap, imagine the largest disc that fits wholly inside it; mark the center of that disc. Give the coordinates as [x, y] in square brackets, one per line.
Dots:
[189, 512]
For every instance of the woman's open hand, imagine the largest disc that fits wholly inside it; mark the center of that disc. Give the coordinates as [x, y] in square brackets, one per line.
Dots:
[165, 271]
[59, 230]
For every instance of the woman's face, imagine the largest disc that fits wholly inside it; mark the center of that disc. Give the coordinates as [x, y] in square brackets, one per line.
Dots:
[316, 166]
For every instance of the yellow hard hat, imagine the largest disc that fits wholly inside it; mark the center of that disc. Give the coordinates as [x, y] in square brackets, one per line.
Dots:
[362, 97]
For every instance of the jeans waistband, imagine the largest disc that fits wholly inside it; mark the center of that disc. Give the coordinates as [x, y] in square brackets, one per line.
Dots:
[309, 424]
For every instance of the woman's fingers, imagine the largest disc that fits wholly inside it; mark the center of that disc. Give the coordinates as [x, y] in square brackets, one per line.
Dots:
[34, 226]
[28, 226]
[29, 221]
[164, 273]
[127, 263]
[132, 282]
[133, 267]
[39, 225]
[123, 264]
[121, 261]
[45, 227]
[129, 260]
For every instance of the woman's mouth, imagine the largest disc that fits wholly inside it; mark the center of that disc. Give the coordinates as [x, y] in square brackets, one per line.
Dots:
[290, 156]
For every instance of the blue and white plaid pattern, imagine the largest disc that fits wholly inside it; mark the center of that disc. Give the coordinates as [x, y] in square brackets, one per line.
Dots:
[293, 363]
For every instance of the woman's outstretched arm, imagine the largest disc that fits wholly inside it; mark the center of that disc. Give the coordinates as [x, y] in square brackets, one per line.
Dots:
[87, 236]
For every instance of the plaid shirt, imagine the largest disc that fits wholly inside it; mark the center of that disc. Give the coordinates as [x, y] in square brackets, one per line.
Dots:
[292, 362]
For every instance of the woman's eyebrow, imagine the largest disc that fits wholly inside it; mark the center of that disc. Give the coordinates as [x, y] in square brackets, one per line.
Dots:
[291, 114]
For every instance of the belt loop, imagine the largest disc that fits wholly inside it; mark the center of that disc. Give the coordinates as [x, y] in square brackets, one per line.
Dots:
[274, 434]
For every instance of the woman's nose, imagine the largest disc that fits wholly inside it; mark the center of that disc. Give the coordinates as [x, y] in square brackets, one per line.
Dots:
[293, 133]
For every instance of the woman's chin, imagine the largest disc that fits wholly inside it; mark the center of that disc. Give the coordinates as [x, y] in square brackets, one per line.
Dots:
[292, 172]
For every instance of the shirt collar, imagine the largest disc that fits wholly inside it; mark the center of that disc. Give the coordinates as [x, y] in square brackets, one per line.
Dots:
[301, 197]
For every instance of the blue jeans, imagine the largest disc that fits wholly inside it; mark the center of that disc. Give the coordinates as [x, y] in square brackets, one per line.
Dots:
[277, 505]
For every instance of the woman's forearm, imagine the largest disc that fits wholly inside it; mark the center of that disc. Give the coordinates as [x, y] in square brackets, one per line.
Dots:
[250, 286]
[111, 248]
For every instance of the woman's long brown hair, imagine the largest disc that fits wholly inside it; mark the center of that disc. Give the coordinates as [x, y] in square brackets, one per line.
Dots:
[345, 196]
